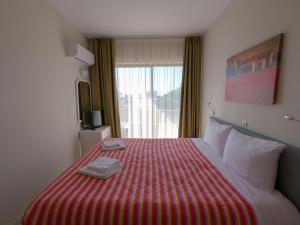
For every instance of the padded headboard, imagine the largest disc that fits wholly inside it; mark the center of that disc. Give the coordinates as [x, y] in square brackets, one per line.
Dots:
[288, 175]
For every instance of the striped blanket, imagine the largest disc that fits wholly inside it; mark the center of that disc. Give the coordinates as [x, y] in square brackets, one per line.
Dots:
[163, 182]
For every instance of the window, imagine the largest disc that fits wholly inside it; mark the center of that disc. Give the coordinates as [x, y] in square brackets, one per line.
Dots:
[149, 100]
[148, 77]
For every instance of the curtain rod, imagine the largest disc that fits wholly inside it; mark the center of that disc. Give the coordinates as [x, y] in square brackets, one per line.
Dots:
[150, 36]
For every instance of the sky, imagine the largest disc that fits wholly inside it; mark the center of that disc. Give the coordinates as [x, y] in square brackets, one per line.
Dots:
[137, 80]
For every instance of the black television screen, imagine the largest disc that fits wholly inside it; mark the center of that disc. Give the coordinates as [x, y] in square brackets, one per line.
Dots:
[92, 119]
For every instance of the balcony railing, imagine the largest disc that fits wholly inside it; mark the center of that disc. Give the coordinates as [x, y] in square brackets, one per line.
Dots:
[145, 124]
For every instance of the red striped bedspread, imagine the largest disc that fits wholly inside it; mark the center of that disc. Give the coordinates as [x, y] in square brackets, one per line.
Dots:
[163, 182]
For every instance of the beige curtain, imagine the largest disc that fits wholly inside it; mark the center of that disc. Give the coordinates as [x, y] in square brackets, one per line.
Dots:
[189, 123]
[103, 83]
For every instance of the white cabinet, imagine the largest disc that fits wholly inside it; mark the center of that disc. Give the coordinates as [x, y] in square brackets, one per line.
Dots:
[88, 138]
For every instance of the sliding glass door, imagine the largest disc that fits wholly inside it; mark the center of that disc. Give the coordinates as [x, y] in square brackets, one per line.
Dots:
[149, 100]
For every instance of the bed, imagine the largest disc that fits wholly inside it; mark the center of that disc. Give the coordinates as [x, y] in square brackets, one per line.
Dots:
[164, 181]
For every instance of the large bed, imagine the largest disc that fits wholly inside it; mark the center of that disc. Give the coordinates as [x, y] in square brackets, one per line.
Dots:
[164, 181]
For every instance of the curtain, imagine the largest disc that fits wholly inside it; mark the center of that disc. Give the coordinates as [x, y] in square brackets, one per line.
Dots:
[189, 123]
[149, 51]
[149, 100]
[103, 83]
[149, 76]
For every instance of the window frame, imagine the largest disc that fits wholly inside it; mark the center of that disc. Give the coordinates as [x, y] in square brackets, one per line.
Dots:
[151, 66]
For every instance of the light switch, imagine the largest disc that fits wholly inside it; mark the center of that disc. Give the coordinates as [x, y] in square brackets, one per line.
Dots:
[245, 123]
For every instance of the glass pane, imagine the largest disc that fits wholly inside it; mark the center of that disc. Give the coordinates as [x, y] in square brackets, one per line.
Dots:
[134, 90]
[149, 101]
[166, 98]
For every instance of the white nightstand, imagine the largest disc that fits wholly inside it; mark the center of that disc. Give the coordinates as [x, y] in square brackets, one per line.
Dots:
[88, 138]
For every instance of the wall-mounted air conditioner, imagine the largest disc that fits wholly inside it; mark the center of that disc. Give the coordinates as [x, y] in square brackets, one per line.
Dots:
[77, 51]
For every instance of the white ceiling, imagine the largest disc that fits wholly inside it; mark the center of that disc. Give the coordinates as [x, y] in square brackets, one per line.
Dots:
[120, 18]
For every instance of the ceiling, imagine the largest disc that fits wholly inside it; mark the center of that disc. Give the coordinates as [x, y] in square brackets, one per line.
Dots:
[129, 18]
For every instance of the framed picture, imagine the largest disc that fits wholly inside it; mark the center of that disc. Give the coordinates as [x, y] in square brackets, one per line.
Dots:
[252, 76]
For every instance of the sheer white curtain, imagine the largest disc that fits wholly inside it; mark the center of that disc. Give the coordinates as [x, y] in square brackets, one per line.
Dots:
[149, 75]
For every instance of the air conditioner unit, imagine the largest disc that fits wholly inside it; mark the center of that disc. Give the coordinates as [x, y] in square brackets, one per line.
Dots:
[79, 52]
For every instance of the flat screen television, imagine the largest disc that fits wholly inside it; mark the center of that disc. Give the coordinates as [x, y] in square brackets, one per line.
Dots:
[92, 120]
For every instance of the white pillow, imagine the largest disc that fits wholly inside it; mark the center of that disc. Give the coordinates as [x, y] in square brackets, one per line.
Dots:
[253, 158]
[216, 135]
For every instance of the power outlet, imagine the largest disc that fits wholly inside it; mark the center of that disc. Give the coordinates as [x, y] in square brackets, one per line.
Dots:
[244, 123]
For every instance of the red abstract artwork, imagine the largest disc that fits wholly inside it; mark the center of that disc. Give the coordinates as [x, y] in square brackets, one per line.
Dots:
[252, 76]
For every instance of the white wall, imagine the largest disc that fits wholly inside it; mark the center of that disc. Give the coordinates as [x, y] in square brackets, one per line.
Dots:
[244, 24]
[37, 98]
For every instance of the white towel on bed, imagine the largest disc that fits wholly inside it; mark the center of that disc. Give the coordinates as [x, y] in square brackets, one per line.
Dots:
[113, 145]
[101, 168]
[103, 164]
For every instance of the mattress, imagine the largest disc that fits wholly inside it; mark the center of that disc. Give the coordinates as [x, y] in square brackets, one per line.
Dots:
[271, 208]
[163, 181]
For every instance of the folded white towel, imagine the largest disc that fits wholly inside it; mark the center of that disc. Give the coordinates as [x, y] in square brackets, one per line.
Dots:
[91, 173]
[113, 145]
[101, 168]
[103, 164]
